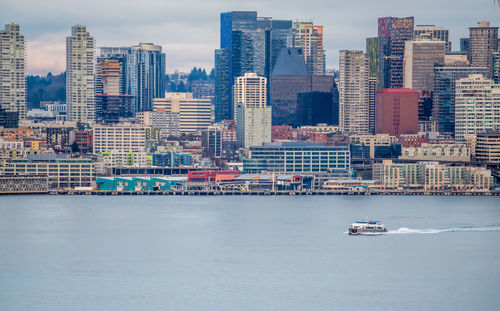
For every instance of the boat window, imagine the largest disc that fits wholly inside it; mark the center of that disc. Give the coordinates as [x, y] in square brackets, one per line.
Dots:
[370, 228]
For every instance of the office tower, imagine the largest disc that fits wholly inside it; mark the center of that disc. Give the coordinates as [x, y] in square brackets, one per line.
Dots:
[222, 102]
[119, 138]
[111, 102]
[195, 114]
[211, 142]
[443, 95]
[476, 106]
[244, 41]
[392, 33]
[421, 55]
[373, 52]
[483, 42]
[396, 112]
[435, 32]
[309, 38]
[495, 68]
[167, 122]
[80, 75]
[281, 37]
[146, 75]
[354, 92]
[371, 100]
[298, 98]
[464, 45]
[12, 73]
[253, 116]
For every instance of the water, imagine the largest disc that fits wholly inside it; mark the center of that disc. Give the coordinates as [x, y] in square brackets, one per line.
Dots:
[248, 253]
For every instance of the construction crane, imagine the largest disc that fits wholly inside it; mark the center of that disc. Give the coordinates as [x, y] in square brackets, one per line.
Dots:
[403, 58]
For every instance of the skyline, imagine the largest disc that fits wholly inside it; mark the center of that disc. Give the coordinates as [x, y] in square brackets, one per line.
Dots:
[189, 37]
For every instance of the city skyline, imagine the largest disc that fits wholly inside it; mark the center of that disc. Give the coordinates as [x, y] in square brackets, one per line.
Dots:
[189, 37]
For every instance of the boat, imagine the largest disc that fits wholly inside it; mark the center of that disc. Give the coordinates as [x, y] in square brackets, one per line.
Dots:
[368, 227]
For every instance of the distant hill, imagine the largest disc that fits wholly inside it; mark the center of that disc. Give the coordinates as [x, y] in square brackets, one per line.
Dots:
[48, 88]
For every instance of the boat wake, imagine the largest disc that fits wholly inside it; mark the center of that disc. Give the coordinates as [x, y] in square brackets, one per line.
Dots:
[454, 229]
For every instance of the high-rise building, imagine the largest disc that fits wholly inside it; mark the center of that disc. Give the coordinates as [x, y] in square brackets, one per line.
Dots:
[12, 72]
[222, 102]
[146, 75]
[354, 92]
[495, 68]
[371, 100]
[244, 47]
[373, 52]
[477, 107]
[421, 55]
[80, 75]
[281, 37]
[435, 32]
[443, 95]
[195, 114]
[464, 45]
[483, 42]
[309, 38]
[253, 116]
[298, 98]
[392, 33]
[396, 112]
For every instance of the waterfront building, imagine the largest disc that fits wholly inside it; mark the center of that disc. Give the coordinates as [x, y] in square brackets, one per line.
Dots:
[62, 172]
[23, 183]
[80, 75]
[120, 138]
[437, 152]
[294, 157]
[374, 146]
[421, 55]
[83, 139]
[477, 106]
[392, 34]
[435, 32]
[354, 92]
[396, 112]
[171, 159]
[487, 147]
[195, 114]
[298, 98]
[309, 38]
[167, 122]
[432, 176]
[483, 42]
[443, 95]
[119, 158]
[139, 183]
[253, 116]
[12, 75]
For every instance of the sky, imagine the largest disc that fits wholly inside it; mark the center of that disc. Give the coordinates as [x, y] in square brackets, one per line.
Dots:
[188, 30]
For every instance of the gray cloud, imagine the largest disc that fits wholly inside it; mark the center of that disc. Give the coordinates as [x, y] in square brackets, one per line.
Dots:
[189, 29]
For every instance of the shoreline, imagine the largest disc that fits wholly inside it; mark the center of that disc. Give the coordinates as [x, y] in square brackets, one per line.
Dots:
[256, 192]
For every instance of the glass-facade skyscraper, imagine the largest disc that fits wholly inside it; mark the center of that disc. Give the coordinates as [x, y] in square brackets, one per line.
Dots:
[248, 43]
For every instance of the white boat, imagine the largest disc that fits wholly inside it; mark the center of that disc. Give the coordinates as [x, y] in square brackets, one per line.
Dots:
[368, 227]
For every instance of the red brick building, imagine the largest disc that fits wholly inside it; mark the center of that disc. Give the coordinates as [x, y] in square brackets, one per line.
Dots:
[208, 176]
[83, 139]
[396, 112]
[281, 132]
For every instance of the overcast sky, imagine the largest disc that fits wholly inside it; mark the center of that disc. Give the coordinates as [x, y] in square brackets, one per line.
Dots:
[188, 30]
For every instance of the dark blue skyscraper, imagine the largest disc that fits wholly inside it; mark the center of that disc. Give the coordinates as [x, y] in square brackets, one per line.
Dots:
[251, 44]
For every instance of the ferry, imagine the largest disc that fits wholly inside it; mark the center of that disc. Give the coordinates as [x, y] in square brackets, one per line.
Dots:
[368, 227]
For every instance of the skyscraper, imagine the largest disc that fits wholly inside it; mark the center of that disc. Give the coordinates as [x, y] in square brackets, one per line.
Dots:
[298, 98]
[243, 47]
[12, 72]
[435, 32]
[476, 106]
[253, 116]
[80, 75]
[396, 112]
[309, 38]
[443, 94]
[393, 32]
[374, 56]
[421, 55]
[354, 92]
[145, 75]
[281, 37]
[483, 41]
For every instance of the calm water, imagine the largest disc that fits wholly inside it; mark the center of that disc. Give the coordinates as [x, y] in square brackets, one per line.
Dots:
[248, 253]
